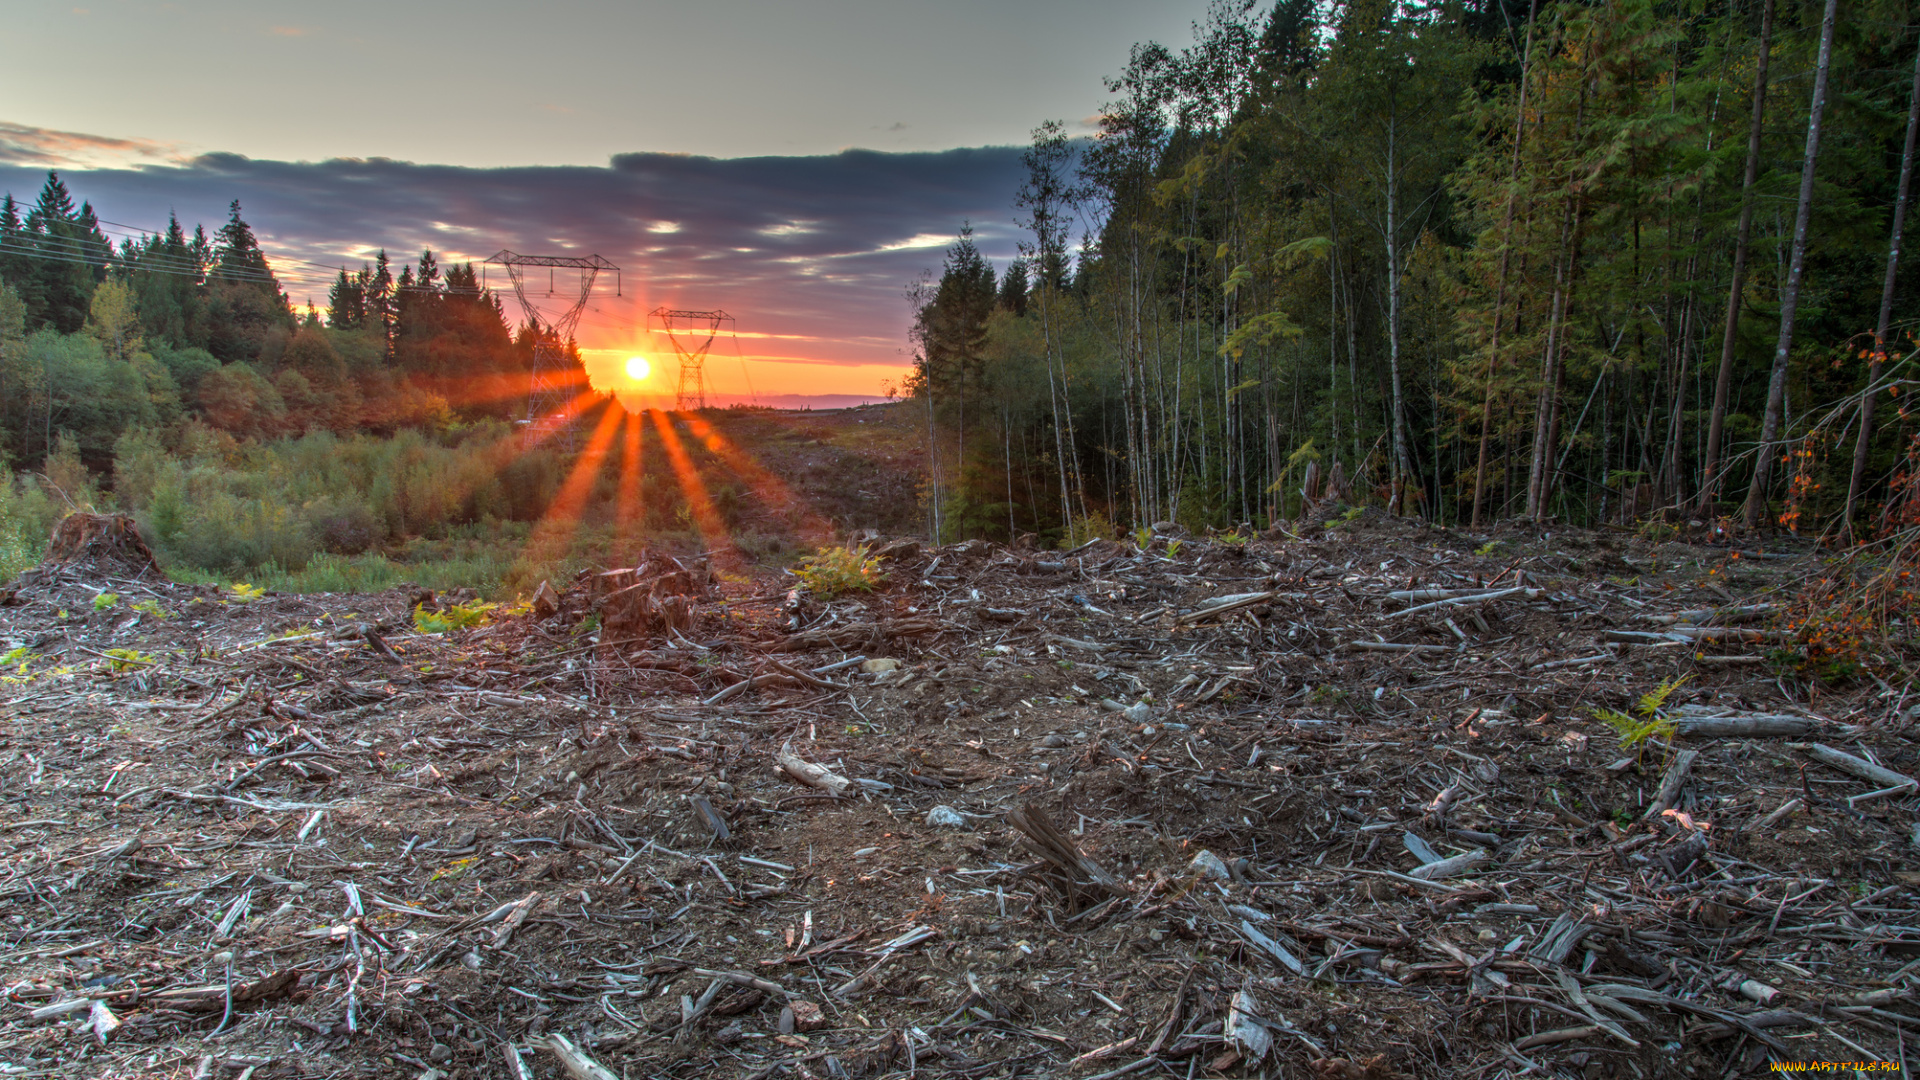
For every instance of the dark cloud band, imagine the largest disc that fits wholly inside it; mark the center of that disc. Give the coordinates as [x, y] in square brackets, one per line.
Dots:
[814, 247]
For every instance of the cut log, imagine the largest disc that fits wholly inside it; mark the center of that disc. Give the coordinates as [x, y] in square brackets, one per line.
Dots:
[1751, 726]
[575, 1060]
[817, 776]
[546, 602]
[1670, 784]
[1222, 605]
[1856, 766]
[1464, 601]
[1446, 868]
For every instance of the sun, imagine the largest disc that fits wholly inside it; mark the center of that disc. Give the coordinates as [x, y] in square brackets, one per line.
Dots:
[638, 368]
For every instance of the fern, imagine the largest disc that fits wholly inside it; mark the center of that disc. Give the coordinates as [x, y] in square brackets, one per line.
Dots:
[1653, 700]
[1646, 724]
[452, 617]
[122, 659]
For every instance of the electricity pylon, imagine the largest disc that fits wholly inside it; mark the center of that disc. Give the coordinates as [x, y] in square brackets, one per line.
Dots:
[681, 328]
[556, 380]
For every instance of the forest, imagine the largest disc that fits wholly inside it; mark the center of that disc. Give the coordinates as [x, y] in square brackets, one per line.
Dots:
[170, 377]
[1621, 262]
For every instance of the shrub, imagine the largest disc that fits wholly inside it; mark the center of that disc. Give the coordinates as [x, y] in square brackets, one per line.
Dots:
[345, 528]
[1093, 526]
[836, 571]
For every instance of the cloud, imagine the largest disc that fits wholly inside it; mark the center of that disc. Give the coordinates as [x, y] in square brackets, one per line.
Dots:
[814, 250]
[46, 148]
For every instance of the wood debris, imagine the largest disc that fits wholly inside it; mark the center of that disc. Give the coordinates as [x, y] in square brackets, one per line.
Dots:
[551, 844]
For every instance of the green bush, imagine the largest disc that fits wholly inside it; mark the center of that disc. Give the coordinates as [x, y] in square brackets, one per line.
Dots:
[23, 532]
[836, 571]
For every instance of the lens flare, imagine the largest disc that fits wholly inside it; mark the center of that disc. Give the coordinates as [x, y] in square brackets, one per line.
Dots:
[630, 515]
[553, 533]
[638, 368]
[713, 529]
[767, 487]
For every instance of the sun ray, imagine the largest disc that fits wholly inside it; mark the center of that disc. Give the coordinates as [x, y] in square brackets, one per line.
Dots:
[705, 517]
[548, 426]
[555, 529]
[770, 489]
[630, 514]
[469, 391]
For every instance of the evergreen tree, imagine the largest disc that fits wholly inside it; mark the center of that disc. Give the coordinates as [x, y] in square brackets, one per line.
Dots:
[247, 311]
[347, 301]
[1013, 288]
[67, 257]
[381, 310]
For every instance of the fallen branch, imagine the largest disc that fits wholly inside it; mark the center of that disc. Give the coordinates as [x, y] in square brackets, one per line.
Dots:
[1463, 601]
[817, 776]
[1889, 780]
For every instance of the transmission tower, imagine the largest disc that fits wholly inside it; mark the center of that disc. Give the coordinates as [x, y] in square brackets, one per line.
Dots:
[682, 328]
[556, 380]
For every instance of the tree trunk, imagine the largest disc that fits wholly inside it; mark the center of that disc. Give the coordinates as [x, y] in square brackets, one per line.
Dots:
[1546, 418]
[1053, 397]
[1796, 270]
[1723, 380]
[1500, 282]
[1886, 300]
[1400, 464]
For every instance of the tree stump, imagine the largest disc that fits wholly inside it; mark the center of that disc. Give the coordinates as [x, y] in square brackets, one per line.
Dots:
[651, 600]
[98, 545]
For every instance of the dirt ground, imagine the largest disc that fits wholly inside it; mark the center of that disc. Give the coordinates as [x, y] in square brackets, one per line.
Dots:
[1095, 822]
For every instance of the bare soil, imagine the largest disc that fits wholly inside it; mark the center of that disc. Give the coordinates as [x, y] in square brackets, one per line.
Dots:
[292, 837]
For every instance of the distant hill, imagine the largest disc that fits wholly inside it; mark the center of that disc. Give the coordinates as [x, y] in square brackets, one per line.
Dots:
[797, 401]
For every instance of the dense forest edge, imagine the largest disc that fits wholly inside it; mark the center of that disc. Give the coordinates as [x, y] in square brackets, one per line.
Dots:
[1611, 263]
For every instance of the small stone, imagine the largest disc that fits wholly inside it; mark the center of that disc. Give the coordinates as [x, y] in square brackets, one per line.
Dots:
[471, 960]
[806, 1015]
[440, 1052]
[1210, 867]
[1138, 713]
[879, 664]
[946, 817]
[786, 1020]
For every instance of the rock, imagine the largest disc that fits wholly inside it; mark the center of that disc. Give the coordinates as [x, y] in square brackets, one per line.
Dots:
[1210, 867]
[946, 817]
[879, 664]
[806, 1015]
[546, 602]
[1138, 713]
[786, 1020]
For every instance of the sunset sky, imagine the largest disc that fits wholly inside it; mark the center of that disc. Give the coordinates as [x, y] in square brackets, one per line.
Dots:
[796, 164]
